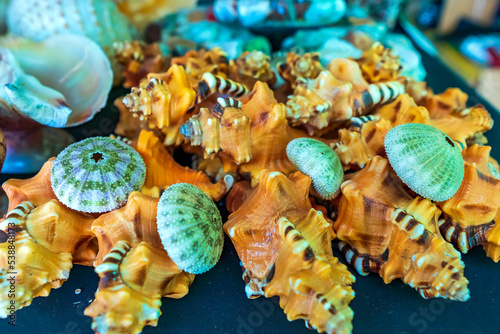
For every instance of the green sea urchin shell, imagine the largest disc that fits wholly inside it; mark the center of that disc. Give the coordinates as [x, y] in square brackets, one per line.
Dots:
[190, 228]
[426, 160]
[97, 174]
[318, 161]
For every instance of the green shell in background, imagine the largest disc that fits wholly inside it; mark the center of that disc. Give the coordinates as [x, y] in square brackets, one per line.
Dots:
[318, 161]
[426, 160]
[190, 228]
[97, 174]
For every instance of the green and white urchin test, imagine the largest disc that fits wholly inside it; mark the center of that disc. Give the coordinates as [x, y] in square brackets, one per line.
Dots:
[97, 174]
[190, 228]
[318, 161]
[426, 160]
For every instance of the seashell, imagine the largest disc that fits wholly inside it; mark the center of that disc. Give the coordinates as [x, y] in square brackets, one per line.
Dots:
[460, 125]
[43, 260]
[418, 91]
[84, 83]
[3, 149]
[441, 105]
[141, 13]
[158, 161]
[190, 228]
[215, 84]
[383, 230]
[97, 174]
[129, 126]
[470, 213]
[379, 64]
[197, 63]
[306, 66]
[403, 110]
[250, 67]
[24, 101]
[226, 129]
[425, 159]
[98, 20]
[138, 59]
[348, 70]
[285, 249]
[163, 102]
[318, 161]
[132, 282]
[269, 136]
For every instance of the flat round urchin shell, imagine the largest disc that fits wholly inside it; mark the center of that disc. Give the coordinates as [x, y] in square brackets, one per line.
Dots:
[190, 228]
[426, 160]
[318, 161]
[97, 174]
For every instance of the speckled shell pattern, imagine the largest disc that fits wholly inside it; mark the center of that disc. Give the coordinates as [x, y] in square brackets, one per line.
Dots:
[190, 227]
[97, 174]
[319, 162]
[99, 20]
[426, 159]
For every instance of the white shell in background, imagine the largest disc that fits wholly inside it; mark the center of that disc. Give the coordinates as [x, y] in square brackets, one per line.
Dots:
[99, 20]
[71, 64]
[24, 99]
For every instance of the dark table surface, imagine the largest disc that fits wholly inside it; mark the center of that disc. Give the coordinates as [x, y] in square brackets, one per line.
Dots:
[216, 302]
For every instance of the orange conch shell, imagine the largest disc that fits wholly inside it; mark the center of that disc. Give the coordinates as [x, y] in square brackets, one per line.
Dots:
[162, 171]
[384, 230]
[250, 67]
[379, 64]
[163, 101]
[285, 248]
[138, 60]
[134, 268]
[305, 66]
[197, 63]
[470, 214]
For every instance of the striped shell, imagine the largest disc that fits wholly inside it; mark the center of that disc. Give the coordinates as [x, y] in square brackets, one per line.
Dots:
[97, 174]
[318, 161]
[426, 160]
[190, 228]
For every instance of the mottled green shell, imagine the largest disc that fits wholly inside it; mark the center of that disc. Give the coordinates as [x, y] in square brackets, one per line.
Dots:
[318, 161]
[190, 228]
[426, 160]
[97, 174]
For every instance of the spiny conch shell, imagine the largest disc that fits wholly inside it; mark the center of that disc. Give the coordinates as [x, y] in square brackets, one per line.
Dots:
[470, 213]
[215, 84]
[138, 59]
[132, 282]
[463, 124]
[129, 126]
[40, 19]
[403, 110]
[3, 149]
[379, 64]
[285, 249]
[190, 228]
[348, 70]
[43, 259]
[315, 96]
[383, 230]
[305, 66]
[163, 171]
[97, 174]
[270, 133]
[163, 100]
[250, 67]
[25, 101]
[425, 159]
[196, 63]
[441, 105]
[418, 91]
[84, 82]
[318, 161]
[226, 129]
[144, 12]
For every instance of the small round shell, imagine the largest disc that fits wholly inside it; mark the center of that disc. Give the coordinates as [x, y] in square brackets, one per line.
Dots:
[319, 162]
[97, 174]
[426, 160]
[190, 228]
